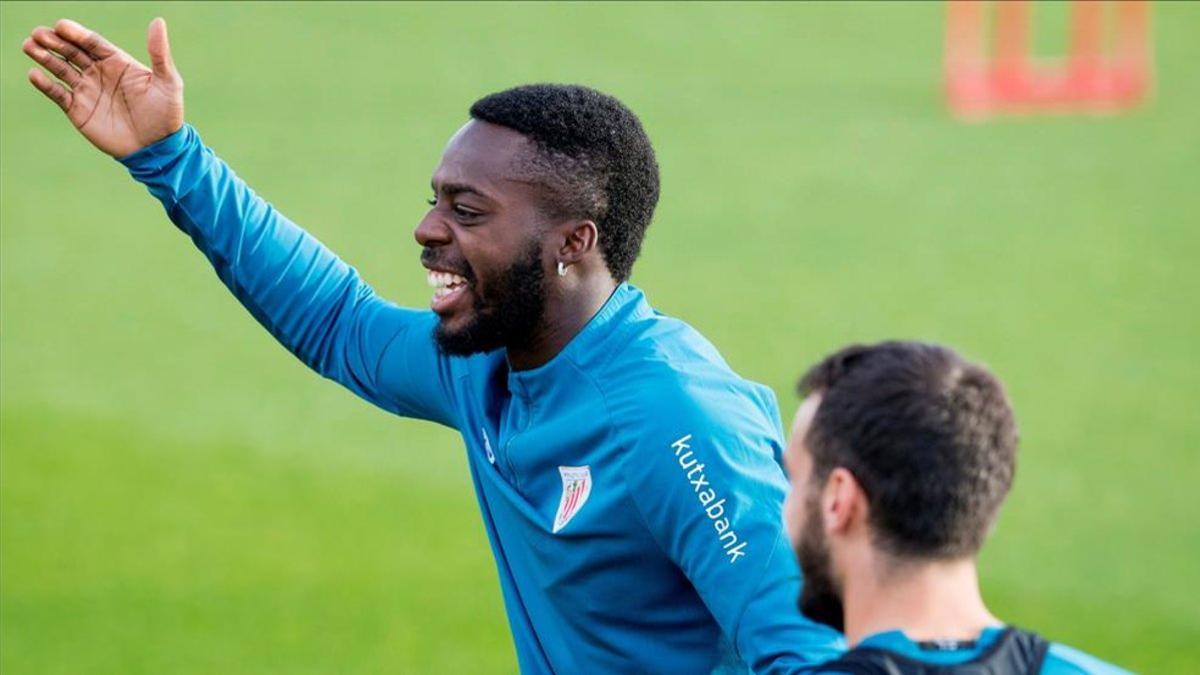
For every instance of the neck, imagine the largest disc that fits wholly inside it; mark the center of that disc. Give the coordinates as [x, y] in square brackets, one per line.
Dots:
[568, 309]
[937, 600]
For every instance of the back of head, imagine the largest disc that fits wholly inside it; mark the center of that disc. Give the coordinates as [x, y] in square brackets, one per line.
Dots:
[593, 158]
[929, 436]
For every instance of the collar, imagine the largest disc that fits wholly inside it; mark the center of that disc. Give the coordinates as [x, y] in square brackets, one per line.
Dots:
[626, 302]
[896, 641]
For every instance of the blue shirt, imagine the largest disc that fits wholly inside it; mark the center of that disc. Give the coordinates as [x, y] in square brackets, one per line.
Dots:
[1060, 659]
[631, 487]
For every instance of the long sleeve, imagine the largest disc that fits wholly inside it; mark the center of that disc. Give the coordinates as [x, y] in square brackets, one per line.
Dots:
[711, 491]
[310, 300]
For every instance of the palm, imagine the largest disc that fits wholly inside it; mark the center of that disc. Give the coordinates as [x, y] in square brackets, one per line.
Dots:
[116, 102]
[119, 106]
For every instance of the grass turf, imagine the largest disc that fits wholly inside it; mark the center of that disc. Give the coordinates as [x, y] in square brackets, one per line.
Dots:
[178, 495]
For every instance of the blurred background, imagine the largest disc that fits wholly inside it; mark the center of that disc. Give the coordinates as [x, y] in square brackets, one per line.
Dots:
[178, 494]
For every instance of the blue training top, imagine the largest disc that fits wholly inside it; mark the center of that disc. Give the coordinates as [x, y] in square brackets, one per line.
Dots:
[1060, 659]
[631, 487]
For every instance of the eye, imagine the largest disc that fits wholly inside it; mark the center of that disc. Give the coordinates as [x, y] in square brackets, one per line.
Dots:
[432, 201]
[464, 212]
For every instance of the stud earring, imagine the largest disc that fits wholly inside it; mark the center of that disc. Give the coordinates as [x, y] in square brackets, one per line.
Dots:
[562, 269]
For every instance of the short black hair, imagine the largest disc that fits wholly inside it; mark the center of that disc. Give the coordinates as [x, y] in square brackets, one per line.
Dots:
[594, 156]
[930, 437]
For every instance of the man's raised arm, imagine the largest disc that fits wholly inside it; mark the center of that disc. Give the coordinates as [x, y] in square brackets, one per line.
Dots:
[310, 300]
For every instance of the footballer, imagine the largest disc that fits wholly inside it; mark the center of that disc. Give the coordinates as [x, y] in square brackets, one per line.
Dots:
[628, 480]
[900, 457]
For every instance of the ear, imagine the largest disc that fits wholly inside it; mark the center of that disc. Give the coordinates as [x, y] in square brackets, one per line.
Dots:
[843, 502]
[580, 238]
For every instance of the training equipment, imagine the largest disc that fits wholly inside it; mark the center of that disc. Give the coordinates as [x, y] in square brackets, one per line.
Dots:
[1008, 80]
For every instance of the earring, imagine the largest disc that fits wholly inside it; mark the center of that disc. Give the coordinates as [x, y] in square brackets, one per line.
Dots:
[562, 269]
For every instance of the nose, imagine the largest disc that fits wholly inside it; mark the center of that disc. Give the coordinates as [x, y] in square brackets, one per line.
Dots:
[431, 231]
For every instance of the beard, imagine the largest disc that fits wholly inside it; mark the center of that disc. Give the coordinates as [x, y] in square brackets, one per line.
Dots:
[819, 596]
[510, 314]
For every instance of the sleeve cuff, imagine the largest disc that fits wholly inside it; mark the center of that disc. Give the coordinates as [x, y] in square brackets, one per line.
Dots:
[159, 154]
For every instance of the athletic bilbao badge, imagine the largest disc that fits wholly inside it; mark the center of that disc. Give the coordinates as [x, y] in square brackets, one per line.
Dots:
[577, 485]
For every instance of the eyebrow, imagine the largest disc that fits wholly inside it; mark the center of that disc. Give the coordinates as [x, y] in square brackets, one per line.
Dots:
[458, 189]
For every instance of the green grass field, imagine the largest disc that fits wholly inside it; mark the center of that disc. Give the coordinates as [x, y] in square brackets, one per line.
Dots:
[178, 494]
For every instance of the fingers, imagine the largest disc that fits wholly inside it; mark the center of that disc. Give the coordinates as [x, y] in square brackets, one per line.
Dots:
[89, 41]
[160, 49]
[61, 69]
[50, 40]
[53, 90]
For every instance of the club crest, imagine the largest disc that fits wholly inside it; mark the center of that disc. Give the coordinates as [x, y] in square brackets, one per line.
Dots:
[577, 486]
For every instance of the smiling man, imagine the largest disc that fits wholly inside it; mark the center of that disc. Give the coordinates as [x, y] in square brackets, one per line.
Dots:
[629, 481]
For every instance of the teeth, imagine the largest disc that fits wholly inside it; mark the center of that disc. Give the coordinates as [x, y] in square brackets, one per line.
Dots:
[444, 282]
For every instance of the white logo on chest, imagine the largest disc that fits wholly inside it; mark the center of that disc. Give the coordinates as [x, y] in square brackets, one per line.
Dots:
[577, 486]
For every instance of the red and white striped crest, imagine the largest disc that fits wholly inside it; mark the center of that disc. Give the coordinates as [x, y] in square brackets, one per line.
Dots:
[577, 485]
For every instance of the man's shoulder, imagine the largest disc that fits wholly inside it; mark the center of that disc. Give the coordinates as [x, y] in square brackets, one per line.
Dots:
[672, 407]
[897, 650]
[1064, 660]
[649, 337]
[660, 364]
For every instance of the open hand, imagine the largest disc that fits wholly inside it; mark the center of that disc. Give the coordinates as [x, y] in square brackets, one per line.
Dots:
[116, 102]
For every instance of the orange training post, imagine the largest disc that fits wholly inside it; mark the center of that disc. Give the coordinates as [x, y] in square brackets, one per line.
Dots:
[999, 77]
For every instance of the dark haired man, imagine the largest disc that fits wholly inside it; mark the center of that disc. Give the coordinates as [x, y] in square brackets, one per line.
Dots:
[900, 457]
[629, 481]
